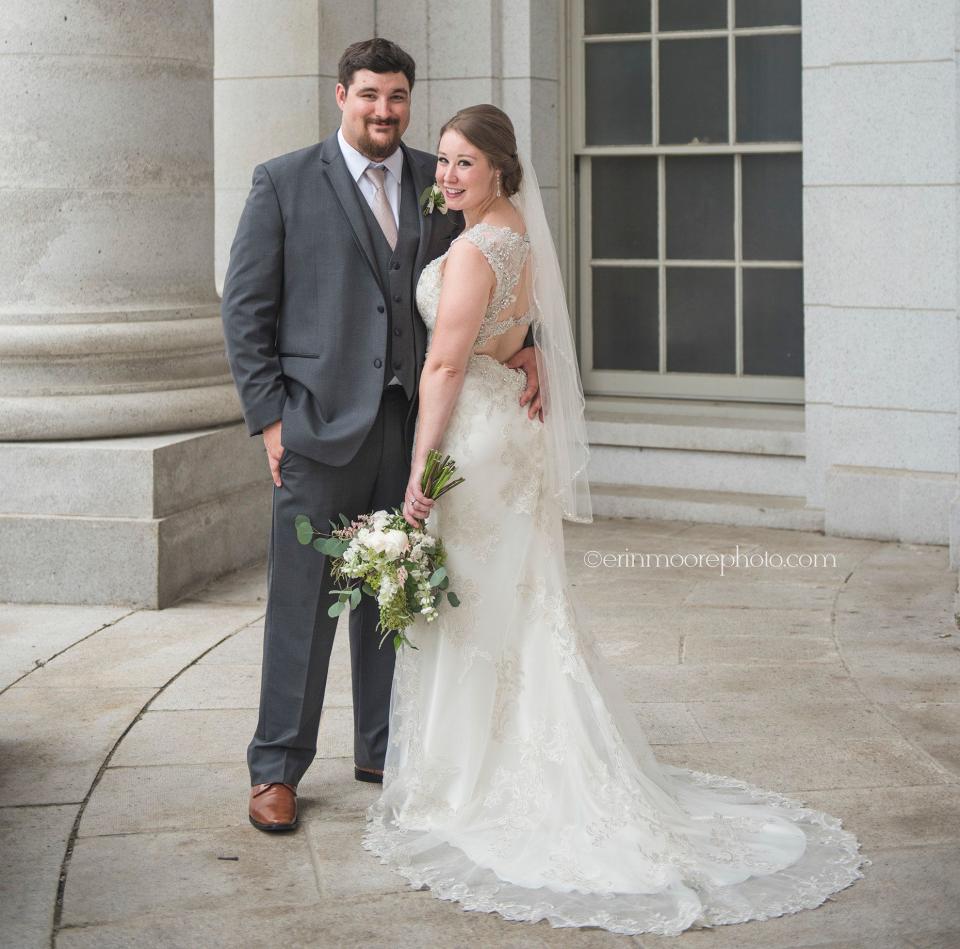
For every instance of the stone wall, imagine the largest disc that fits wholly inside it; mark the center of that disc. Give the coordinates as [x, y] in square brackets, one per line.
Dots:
[881, 256]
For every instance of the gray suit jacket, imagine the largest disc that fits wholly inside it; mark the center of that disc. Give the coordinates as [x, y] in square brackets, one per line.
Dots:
[303, 306]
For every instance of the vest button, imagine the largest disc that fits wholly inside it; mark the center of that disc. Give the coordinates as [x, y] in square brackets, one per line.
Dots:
[397, 298]
[380, 308]
[398, 332]
[378, 363]
[398, 366]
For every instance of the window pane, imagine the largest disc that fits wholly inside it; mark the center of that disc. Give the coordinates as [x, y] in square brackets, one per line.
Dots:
[768, 12]
[693, 14]
[624, 207]
[699, 211]
[616, 16]
[618, 93]
[693, 91]
[768, 88]
[772, 207]
[625, 318]
[701, 332]
[773, 322]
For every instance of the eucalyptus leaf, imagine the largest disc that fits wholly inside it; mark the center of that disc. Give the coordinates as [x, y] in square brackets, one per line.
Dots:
[438, 576]
[453, 598]
[336, 608]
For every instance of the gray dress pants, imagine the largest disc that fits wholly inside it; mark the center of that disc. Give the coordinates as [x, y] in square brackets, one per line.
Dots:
[298, 633]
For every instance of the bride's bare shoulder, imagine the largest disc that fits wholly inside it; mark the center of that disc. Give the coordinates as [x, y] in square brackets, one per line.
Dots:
[509, 217]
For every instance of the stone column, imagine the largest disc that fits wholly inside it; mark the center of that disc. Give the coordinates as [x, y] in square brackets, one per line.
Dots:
[955, 502]
[109, 320]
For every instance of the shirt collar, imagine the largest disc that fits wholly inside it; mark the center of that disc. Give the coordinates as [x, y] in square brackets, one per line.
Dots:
[357, 163]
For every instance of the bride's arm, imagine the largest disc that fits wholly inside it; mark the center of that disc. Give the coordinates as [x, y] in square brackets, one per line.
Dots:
[465, 292]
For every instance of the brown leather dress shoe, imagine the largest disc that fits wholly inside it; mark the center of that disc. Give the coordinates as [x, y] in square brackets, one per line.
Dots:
[367, 774]
[273, 806]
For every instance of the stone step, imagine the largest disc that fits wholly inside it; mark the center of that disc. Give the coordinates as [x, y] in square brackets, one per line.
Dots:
[697, 445]
[748, 428]
[712, 507]
[697, 470]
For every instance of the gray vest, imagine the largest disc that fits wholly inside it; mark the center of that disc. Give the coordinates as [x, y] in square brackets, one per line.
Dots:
[396, 280]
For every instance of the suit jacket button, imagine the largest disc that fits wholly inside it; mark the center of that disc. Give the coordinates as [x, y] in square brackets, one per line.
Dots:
[396, 265]
[398, 332]
[397, 298]
[378, 363]
[380, 308]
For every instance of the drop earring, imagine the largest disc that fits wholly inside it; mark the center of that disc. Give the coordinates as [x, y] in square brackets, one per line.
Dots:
[498, 184]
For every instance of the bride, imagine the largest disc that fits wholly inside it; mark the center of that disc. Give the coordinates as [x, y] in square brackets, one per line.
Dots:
[517, 780]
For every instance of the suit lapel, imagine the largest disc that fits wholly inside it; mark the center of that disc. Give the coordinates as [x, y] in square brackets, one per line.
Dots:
[422, 176]
[347, 194]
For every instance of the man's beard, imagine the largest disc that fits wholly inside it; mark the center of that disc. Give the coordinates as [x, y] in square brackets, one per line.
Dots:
[375, 148]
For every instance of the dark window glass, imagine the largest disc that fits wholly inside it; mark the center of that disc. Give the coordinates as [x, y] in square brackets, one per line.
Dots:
[701, 329]
[768, 13]
[625, 318]
[616, 16]
[768, 88]
[699, 211]
[624, 207]
[693, 91]
[772, 321]
[618, 93]
[772, 207]
[693, 14]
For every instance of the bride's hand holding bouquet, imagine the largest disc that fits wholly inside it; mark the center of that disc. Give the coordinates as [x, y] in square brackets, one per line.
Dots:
[388, 555]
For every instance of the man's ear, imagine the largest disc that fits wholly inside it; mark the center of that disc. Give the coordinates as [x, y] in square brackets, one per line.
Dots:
[341, 94]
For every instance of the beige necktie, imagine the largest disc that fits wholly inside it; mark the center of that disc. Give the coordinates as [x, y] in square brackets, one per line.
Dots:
[381, 205]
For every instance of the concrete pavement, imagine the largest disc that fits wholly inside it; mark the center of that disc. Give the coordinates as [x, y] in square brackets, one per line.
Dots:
[123, 782]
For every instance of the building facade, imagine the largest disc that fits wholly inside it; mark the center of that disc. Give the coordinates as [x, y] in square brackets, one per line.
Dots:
[756, 205]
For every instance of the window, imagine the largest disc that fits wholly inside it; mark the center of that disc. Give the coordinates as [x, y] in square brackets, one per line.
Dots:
[687, 144]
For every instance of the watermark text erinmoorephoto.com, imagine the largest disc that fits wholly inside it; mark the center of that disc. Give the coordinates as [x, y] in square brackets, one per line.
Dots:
[737, 560]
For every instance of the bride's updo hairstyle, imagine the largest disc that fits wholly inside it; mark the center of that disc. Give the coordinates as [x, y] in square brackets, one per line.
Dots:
[488, 128]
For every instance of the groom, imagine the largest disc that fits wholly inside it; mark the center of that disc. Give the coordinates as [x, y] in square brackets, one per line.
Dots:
[326, 347]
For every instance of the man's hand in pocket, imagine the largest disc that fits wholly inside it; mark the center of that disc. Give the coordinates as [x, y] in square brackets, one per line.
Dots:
[271, 441]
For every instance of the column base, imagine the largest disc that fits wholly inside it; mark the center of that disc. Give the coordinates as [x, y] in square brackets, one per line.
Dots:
[911, 507]
[138, 521]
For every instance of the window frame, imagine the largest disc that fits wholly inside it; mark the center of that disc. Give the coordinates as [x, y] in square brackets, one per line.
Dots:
[647, 383]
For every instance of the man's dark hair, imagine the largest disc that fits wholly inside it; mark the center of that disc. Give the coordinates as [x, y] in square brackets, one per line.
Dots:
[377, 55]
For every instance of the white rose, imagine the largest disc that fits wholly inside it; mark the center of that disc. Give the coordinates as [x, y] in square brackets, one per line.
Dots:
[395, 543]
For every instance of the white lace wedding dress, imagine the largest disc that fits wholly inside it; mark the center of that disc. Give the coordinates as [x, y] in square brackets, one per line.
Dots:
[517, 780]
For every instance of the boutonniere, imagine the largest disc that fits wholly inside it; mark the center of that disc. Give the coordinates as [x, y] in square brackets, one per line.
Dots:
[431, 198]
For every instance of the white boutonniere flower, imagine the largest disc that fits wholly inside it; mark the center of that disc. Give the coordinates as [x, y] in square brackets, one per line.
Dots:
[431, 198]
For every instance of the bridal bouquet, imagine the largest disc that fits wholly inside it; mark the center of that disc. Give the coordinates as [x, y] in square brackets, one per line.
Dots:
[382, 556]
